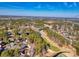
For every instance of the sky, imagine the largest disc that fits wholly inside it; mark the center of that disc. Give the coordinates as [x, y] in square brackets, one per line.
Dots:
[50, 9]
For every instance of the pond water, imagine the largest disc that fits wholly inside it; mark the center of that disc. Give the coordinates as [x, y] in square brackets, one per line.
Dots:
[61, 55]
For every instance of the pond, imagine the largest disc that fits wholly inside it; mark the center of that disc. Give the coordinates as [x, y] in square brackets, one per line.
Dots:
[61, 55]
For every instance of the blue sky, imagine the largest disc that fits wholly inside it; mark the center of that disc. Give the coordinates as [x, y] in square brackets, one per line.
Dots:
[52, 9]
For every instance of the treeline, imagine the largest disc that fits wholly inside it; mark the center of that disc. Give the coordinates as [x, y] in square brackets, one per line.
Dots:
[41, 43]
[56, 37]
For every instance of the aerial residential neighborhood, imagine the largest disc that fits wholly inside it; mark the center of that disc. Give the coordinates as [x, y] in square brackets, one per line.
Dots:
[39, 29]
[29, 38]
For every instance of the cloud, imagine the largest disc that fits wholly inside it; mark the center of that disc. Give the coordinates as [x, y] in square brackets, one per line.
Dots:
[50, 7]
[16, 7]
[38, 6]
[65, 3]
[75, 4]
[13, 6]
[70, 6]
[47, 6]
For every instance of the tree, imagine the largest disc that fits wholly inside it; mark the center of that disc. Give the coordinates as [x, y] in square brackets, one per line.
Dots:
[16, 52]
[7, 53]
